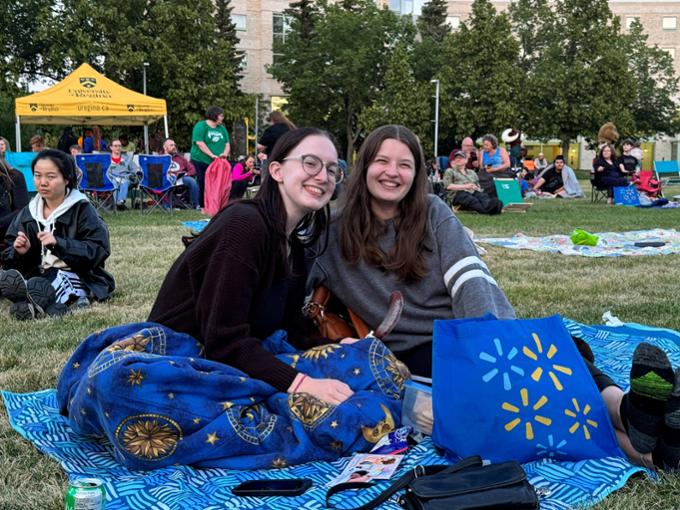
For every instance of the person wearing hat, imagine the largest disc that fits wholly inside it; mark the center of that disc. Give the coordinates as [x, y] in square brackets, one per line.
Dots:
[463, 189]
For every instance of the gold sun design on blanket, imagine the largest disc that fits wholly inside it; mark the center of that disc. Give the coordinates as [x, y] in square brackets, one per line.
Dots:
[321, 351]
[149, 437]
[398, 370]
[307, 408]
[135, 343]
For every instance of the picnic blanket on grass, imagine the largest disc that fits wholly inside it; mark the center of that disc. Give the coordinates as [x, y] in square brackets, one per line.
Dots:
[611, 244]
[564, 484]
[196, 225]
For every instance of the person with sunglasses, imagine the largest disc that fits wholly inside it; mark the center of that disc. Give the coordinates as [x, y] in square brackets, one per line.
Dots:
[243, 277]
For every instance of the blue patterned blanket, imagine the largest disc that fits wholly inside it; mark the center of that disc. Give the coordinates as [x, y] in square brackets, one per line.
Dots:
[565, 484]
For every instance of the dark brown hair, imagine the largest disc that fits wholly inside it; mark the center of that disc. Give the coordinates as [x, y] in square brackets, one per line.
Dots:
[360, 230]
[277, 117]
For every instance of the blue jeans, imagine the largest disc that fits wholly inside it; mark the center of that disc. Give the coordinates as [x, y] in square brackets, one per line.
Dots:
[192, 186]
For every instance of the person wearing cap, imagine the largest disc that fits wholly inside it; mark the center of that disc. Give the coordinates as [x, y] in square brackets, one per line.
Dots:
[463, 189]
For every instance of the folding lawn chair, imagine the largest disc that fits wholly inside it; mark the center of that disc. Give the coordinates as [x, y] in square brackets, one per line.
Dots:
[596, 193]
[510, 193]
[95, 182]
[667, 172]
[157, 184]
[22, 161]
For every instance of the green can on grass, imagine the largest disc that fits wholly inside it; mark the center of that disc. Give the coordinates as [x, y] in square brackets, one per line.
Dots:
[85, 494]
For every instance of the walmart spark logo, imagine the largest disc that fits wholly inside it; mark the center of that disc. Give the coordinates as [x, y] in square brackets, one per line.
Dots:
[484, 356]
[580, 419]
[551, 450]
[538, 373]
[528, 425]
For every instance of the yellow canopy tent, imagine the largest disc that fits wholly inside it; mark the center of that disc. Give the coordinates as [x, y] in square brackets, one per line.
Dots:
[87, 97]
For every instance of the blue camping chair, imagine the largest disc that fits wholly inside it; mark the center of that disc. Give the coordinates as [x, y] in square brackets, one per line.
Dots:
[22, 161]
[443, 162]
[157, 184]
[95, 181]
[667, 172]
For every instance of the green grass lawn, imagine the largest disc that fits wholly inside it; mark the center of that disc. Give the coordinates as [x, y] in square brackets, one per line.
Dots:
[641, 289]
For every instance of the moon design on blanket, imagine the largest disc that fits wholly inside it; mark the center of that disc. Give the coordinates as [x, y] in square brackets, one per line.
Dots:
[308, 409]
[384, 426]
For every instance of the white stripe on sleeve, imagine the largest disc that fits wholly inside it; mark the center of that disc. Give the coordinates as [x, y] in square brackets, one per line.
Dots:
[469, 275]
[464, 262]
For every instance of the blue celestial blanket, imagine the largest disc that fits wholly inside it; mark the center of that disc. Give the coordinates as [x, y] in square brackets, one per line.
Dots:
[562, 485]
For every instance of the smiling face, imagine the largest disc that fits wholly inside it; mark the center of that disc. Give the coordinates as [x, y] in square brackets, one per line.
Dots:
[3, 147]
[487, 146]
[49, 181]
[389, 177]
[606, 152]
[300, 192]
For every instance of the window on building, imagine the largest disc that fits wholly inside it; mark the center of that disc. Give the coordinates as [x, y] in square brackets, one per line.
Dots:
[241, 22]
[454, 22]
[244, 61]
[671, 52]
[280, 30]
[407, 7]
[669, 23]
[630, 20]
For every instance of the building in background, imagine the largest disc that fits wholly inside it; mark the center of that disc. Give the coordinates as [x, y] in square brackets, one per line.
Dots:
[262, 23]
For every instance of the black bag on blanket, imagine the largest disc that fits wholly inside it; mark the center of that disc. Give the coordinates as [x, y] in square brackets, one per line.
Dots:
[467, 485]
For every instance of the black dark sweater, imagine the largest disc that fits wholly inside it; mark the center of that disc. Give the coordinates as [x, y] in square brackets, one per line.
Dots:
[231, 288]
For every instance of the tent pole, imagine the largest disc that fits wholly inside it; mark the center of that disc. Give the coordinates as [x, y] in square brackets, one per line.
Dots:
[146, 139]
[165, 124]
[17, 133]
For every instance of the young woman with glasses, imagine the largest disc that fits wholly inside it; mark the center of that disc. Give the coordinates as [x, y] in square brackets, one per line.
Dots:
[243, 277]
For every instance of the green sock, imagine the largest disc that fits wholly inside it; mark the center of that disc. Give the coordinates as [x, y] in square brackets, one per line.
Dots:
[643, 407]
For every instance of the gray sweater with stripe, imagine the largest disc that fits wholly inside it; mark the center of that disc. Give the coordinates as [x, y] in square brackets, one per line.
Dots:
[458, 283]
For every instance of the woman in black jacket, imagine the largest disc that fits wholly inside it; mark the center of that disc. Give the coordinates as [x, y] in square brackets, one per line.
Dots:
[13, 196]
[606, 173]
[58, 241]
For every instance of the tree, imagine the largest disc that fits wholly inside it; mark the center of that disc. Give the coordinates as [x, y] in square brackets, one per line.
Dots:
[433, 29]
[533, 23]
[479, 77]
[572, 85]
[653, 108]
[403, 100]
[226, 33]
[341, 68]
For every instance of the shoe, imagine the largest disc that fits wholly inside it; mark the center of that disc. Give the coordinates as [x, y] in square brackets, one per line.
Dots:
[13, 286]
[121, 207]
[41, 293]
[57, 310]
[22, 311]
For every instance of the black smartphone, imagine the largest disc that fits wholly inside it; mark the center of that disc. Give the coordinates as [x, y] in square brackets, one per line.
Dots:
[273, 487]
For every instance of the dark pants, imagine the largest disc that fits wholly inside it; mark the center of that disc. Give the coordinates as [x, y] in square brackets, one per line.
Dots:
[478, 201]
[610, 183]
[238, 188]
[419, 362]
[200, 179]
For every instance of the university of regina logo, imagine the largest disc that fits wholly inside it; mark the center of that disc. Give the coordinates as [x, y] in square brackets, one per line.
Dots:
[88, 83]
[33, 107]
[131, 107]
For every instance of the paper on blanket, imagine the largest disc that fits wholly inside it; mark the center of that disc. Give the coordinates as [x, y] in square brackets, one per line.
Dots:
[365, 467]
[516, 390]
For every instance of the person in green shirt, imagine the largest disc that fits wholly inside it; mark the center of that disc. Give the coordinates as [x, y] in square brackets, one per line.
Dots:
[209, 141]
[463, 189]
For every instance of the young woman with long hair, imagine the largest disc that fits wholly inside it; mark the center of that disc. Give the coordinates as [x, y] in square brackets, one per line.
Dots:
[391, 235]
[243, 277]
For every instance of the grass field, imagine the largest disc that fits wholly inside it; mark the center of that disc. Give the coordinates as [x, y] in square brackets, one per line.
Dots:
[642, 289]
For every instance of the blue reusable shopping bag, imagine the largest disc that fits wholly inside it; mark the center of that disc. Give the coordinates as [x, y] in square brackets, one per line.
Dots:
[515, 390]
[626, 195]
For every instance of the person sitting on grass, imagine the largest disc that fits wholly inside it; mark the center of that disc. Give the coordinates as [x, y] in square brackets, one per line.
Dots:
[58, 242]
[462, 186]
[550, 183]
[390, 235]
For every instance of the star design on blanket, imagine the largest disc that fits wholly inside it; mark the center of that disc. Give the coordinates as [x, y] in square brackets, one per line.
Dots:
[76, 365]
[575, 413]
[135, 343]
[538, 373]
[212, 438]
[171, 396]
[279, 463]
[136, 377]
[196, 420]
[334, 424]
[337, 446]
[149, 436]
[356, 371]
[528, 426]
[226, 405]
[320, 351]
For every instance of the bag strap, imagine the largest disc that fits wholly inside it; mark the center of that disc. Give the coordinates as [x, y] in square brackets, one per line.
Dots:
[317, 304]
[402, 482]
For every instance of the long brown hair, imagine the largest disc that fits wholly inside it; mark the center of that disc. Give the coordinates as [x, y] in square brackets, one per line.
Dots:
[277, 117]
[360, 230]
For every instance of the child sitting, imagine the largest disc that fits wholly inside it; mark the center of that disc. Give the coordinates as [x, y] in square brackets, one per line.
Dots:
[463, 189]
[58, 241]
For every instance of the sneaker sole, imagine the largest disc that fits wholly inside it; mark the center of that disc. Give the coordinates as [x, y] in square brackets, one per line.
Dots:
[41, 293]
[13, 286]
[22, 311]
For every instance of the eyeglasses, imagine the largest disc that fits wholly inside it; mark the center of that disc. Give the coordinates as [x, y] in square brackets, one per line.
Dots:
[312, 165]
